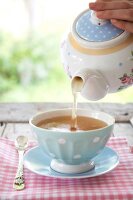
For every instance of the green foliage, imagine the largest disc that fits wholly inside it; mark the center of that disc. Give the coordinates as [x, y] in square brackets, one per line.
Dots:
[25, 61]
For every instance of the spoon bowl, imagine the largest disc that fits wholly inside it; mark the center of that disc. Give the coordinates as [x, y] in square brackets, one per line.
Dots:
[21, 142]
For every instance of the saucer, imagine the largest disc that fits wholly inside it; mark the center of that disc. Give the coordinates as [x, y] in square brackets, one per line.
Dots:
[36, 161]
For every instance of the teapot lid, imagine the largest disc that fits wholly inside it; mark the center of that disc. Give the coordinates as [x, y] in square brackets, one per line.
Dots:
[92, 29]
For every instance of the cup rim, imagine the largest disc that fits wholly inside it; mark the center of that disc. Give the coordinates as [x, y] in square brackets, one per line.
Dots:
[68, 109]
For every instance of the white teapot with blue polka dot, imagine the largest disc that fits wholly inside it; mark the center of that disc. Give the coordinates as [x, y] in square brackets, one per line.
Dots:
[100, 54]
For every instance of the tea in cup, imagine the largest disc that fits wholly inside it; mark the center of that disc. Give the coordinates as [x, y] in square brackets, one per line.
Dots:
[65, 123]
[72, 151]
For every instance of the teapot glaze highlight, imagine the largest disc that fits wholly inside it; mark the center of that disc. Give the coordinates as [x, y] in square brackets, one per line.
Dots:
[99, 53]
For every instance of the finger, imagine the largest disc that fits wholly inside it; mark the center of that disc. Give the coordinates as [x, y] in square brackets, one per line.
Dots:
[101, 5]
[105, 0]
[112, 0]
[123, 14]
[127, 26]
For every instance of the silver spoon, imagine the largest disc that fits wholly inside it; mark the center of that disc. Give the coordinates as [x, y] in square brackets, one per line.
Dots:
[21, 143]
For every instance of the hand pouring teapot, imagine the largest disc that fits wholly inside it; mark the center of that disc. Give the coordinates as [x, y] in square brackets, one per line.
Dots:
[100, 54]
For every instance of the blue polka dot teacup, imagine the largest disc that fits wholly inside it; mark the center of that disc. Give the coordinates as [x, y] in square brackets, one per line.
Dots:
[72, 152]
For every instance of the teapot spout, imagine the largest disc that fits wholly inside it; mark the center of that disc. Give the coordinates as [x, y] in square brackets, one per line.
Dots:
[91, 84]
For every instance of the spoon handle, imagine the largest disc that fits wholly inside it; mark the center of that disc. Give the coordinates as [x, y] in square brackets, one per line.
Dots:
[19, 178]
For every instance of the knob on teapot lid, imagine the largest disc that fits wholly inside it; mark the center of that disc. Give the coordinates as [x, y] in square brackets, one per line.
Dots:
[88, 27]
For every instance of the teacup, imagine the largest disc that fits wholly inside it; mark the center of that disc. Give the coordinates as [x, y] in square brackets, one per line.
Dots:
[72, 152]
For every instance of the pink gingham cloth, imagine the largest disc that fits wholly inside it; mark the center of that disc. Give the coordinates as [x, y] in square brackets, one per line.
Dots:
[115, 185]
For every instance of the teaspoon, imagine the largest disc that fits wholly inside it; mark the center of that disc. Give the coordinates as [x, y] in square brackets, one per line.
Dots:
[21, 143]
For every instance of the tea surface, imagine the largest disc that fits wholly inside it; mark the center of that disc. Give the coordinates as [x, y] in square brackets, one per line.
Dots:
[64, 123]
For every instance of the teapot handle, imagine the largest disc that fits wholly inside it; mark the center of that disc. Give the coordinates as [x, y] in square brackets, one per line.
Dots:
[94, 86]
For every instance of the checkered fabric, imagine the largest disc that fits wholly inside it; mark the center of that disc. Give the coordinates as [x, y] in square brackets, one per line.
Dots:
[115, 185]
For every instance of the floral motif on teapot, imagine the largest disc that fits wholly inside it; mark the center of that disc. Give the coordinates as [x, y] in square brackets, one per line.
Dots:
[126, 80]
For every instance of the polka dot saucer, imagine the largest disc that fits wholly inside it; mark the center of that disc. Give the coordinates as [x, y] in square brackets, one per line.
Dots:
[36, 161]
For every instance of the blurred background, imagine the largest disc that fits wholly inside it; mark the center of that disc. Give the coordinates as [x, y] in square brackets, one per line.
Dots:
[30, 64]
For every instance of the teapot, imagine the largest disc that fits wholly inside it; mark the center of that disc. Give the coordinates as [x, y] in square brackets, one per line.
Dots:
[99, 53]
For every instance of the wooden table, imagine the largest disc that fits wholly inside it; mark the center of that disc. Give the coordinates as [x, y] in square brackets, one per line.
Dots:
[14, 117]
